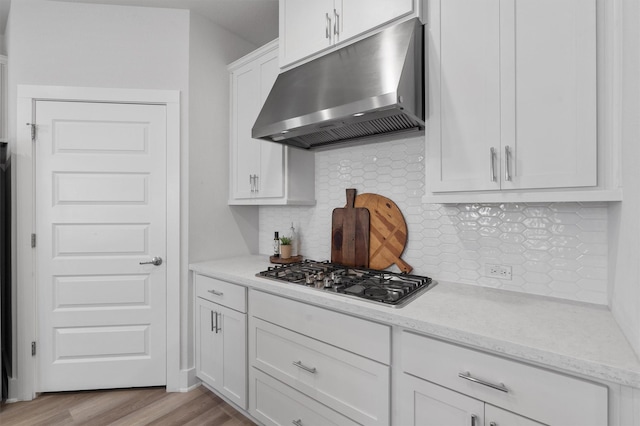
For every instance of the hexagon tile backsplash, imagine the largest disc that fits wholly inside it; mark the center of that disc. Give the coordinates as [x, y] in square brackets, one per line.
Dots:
[553, 249]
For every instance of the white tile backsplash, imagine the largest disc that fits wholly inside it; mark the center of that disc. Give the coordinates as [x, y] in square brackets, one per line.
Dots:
[554, 249]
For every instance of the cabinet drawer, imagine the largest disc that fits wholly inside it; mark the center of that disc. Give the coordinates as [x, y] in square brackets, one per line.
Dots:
[350, 384]
[549, 397]
[221, 292]
[274, 403]
[344, 331]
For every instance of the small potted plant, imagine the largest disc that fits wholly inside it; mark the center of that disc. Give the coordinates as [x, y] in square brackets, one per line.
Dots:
[285, 247]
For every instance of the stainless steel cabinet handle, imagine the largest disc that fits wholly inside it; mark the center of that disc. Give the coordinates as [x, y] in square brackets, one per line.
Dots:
[218, 328]
[336, 23]
[257, 183]
[297, 422]
[327, 33]
[492, 164]
[473, 419]
[467, 376]
[212, 321]
[507, 169]
[216, 293]
[157, 261]
[299, 364]
[251, 182]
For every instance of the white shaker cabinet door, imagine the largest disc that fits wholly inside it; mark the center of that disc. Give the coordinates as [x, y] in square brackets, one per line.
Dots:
[360, 16]
[245, 108]
[306, 27]
[221, 354]
[512, 95]
[548, 91]
[463, 123]
[426, 404]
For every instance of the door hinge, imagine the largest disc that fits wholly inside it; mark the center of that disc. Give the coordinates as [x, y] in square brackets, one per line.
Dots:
[33, 348]
[33, 131]
[33, 240]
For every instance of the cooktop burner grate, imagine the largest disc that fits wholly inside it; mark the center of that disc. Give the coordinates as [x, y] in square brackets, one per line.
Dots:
[384, 287]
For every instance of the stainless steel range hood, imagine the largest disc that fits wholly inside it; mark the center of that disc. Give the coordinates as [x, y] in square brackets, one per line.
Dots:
[370, 88]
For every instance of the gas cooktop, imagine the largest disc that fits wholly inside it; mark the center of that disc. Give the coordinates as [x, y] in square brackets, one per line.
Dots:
[383, 287]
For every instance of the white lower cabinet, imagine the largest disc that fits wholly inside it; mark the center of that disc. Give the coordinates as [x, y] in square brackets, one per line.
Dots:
[443, 383]
[427, 404]
[221, 340]
[307, 357]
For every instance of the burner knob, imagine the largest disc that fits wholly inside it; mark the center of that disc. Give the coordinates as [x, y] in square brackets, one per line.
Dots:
[310, 279]
[328, 282]
[320, 276]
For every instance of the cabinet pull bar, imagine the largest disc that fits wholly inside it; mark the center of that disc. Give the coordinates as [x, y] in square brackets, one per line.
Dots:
[257, 183]
[492, 164]
[218, 328]
[467, 376]
[473, 419]
[327, 32]
[216, 293]
[297, 422]
[299, 364]
[507, 170]
[211, 320]
[336, 23]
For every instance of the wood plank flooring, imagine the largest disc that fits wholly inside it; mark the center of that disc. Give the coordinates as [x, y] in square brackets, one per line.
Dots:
[123, 407]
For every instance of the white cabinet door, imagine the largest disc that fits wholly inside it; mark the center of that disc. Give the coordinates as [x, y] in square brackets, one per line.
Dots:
[245, 109]
[306, 27]
[358, 16]
[309, 27]
[424, 404]
[257, 167]
[221, 359]
[496, 81]
[549, 92]
[464, 94]
[498, 417]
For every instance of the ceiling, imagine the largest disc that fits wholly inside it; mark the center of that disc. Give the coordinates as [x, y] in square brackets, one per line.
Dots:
[253, 20]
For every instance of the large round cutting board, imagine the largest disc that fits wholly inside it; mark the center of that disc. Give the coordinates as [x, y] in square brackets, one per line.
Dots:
[387, 232]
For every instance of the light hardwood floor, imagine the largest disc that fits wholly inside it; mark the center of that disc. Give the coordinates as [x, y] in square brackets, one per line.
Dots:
[123, 407]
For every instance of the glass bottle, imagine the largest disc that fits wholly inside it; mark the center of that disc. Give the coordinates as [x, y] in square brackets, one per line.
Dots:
[276, 245]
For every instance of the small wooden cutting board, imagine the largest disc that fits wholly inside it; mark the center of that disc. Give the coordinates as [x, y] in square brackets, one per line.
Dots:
[350, 234]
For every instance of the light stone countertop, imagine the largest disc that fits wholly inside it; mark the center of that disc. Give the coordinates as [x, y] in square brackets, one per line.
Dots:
[569, 336]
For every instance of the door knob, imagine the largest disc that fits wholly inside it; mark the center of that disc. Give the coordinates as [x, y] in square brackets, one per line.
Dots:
[157, 261]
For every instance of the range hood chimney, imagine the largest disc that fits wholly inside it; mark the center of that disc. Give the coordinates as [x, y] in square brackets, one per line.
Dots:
[371, 88]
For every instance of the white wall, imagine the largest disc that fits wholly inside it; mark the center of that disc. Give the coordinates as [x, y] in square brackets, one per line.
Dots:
[624, 226]
[69, 44]
[211, 49]
[215, 229]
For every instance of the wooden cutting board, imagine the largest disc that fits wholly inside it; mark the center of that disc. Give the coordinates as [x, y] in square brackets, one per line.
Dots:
[388, 232]
[350, 234]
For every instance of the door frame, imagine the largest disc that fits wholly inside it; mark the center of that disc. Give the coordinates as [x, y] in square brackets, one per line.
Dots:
[25, 370]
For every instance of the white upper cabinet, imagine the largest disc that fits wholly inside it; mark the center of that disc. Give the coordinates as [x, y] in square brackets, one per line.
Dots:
[309, 27]
[512, 100]
[263, 172]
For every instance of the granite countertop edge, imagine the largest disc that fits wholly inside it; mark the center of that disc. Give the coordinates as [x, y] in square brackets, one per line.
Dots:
[242, 269]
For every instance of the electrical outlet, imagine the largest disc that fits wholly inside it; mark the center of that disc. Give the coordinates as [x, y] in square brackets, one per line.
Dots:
[497, 271]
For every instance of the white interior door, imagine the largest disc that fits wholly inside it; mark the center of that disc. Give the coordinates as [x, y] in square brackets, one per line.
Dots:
[100, 211]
